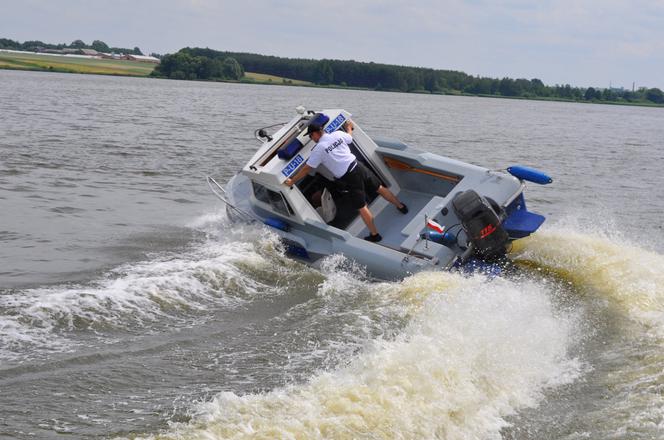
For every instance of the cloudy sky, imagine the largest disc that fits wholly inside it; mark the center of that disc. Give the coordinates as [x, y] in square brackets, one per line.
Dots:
[580, 42]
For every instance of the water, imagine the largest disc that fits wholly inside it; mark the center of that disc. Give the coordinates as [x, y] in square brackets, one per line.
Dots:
[130, 308]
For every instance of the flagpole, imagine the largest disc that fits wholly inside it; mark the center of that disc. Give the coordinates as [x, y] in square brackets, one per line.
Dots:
[426, 231]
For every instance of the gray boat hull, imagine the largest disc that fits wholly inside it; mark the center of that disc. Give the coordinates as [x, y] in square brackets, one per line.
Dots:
[403, 251]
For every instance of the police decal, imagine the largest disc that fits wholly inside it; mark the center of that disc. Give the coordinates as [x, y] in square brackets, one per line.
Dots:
[332, 126]
[292, 165]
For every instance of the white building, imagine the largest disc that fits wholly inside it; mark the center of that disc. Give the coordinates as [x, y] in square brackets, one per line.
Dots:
[143, 58]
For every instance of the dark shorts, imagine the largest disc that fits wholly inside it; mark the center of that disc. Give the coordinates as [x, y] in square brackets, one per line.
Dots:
[356, 184]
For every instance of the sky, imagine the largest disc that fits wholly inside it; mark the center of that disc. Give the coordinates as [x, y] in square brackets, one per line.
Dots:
[579, 42]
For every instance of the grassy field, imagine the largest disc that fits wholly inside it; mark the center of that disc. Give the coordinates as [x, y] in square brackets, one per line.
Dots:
[271, 79]
[56, 63]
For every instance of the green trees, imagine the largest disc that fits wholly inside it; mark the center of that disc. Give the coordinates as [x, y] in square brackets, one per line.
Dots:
[508, 87]
[6, 43]
[655, 95]
[323, 73]
[609, 95]
[592, 94]
[182, 65]
[408, 79]
[231, 69]
[207, 68]
[100, 46]
[178, 66]
[538, 87]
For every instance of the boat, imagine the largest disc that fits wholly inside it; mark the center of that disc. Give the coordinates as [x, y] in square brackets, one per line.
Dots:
[460, 216]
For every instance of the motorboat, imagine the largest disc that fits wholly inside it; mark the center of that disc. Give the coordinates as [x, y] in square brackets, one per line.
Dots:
[460, 216]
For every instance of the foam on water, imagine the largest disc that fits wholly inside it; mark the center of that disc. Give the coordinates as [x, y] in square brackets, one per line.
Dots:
[212, 222]
[627, 281]
[473, 353]
[168, 287]
[629, 276]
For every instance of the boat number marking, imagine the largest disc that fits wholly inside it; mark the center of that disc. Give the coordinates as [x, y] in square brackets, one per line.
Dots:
[332, 126]
[292, 165]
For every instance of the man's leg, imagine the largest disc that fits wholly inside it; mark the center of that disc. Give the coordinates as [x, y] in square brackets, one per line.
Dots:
[372, 183]
[367, 217]
[390, 197]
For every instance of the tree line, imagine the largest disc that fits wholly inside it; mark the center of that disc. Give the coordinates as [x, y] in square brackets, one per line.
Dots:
[183, 65]
[194, 63]
[36, 45]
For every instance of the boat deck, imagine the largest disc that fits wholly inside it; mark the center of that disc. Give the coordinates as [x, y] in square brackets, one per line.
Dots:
[390, 222]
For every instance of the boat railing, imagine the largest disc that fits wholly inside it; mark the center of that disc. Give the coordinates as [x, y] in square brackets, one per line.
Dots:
[215, 187]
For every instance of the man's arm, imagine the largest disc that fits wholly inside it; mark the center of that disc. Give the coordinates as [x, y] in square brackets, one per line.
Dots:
[299, 175]
[348, 127]
[347, 132]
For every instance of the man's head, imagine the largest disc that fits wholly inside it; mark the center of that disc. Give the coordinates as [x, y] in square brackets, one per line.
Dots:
[314, 131]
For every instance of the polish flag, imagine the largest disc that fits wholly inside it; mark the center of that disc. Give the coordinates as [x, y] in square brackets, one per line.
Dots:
[435, 226]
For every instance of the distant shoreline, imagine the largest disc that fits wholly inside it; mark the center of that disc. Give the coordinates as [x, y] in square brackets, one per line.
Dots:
[16, 60]
[63, 64]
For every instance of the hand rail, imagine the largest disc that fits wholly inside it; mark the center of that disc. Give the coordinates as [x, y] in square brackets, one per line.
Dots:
[210, 181]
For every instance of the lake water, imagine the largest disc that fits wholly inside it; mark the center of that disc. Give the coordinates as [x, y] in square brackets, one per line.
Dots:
[130, 307]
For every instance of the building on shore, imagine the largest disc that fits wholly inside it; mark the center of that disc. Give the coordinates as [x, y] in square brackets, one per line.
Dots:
[143, 58]
[89, 52]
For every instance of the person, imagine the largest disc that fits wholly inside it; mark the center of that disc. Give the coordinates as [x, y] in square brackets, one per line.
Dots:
[332, 150]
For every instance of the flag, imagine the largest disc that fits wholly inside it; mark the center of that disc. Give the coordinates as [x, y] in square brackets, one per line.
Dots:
[435, 226]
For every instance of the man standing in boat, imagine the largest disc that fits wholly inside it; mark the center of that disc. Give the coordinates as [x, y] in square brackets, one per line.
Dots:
[332, 150]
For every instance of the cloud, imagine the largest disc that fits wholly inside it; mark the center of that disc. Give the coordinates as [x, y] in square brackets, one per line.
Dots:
[581, 42]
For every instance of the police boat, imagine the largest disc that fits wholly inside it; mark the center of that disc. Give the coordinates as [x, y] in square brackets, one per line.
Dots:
[460, 216]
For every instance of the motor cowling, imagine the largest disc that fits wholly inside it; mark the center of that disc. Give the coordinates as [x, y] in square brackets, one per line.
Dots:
[481, 224]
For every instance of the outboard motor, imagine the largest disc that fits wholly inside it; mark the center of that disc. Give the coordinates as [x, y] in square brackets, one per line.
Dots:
[481, 224]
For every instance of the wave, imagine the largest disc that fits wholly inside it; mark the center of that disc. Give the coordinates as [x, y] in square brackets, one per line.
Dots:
[170, 287]
[473, 353]
[629, 276]
[438, 355]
